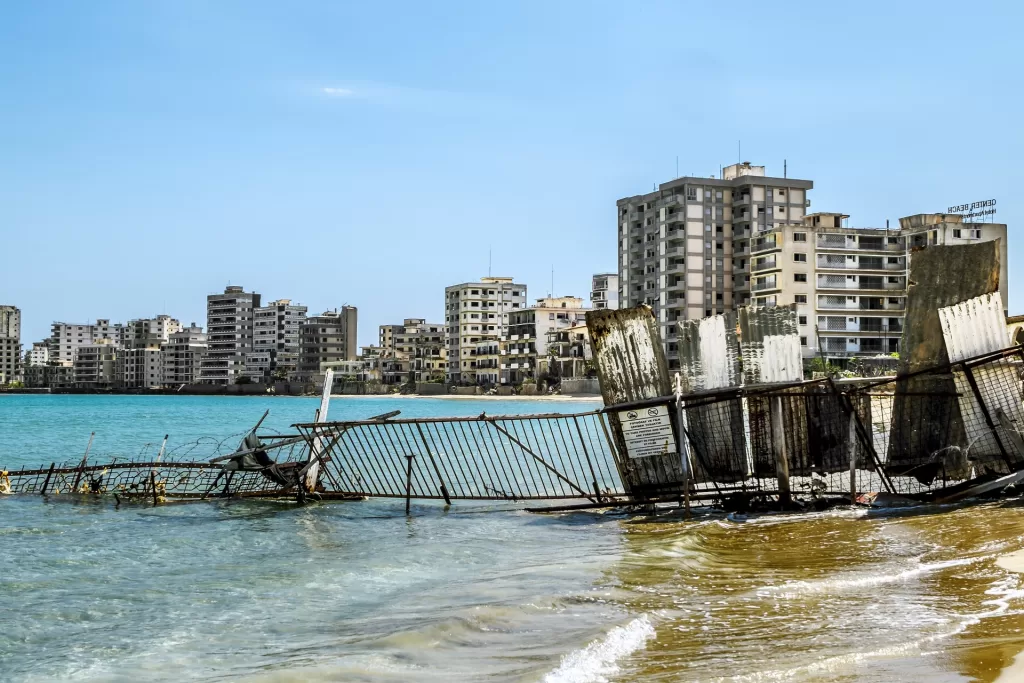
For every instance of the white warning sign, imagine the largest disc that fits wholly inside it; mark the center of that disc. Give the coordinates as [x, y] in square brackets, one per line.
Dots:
[647, 432]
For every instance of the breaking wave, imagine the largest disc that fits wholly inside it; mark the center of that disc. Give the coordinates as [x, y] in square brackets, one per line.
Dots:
[599, 660]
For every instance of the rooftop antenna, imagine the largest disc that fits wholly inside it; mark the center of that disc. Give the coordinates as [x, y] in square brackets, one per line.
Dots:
[784, 169]
[552, 292]
[488, 261]
[739, 151]
[677, 166]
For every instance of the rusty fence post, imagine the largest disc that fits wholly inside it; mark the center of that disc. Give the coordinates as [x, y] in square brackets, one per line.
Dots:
[779, 446]
[853, 457]
[408, 482]
[152, 483]
[46, 482]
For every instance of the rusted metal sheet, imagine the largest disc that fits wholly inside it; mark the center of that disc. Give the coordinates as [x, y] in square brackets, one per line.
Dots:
[927, 431]
[973, 328]
[631, 367]
[769, 344]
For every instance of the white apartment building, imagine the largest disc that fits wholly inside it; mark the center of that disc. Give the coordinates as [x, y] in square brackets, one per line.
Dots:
[229, 334]
[476, 317]
[10, 344]
[525, 346]
[65, 338]
[685, 249]
[276, 336]
[181, 356]
[39, 354]
[604, 291]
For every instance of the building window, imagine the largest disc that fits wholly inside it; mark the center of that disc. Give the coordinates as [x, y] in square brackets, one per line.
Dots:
[803, 341]
[802, 320]
[800, 258]
[956, 233]
[799, 236]
[800, 298]
[799, 277]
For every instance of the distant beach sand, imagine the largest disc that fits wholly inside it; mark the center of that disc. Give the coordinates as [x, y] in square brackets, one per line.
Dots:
[479, 397]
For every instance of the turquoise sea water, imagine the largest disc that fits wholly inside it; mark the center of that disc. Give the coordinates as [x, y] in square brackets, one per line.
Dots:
[358, 591]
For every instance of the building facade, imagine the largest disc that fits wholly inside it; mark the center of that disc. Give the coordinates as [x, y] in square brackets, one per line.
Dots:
[10, 344]
[417, 351]
[95, 365]
[276, 332]
[604, 291]
[181, 356]
[229, 334]
[476, 317]
[524, 348]
[327, 338]
[139, 363]
[685, 249]
[65, 338]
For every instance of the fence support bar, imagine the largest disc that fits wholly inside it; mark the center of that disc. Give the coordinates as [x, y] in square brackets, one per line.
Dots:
[969, 374]
[437, 470]
[542, 461]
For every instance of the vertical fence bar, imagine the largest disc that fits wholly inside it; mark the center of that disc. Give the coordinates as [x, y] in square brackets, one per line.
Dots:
[586, 453]
[853, 457]
[46, 482]
[408, 482]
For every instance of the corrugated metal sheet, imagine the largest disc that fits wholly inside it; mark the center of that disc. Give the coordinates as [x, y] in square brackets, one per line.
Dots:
[709, 352]
[971, 328]
[769, 344]
[974, 327]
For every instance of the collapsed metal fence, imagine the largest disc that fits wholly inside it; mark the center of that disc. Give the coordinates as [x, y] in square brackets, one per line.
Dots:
[918, 434]
[557, 456]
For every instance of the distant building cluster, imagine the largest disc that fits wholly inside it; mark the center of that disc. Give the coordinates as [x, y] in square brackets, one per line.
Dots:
[697, 247]
[693, 248]
[244, 342]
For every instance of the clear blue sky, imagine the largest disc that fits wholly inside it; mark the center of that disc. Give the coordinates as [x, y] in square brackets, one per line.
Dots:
[371, 154]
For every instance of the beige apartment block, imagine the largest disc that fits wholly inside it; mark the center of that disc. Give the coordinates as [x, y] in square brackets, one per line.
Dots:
[850, 284]
[524, 349]
[476, 318]
[685, 249]
[95, 365]
[416, 350]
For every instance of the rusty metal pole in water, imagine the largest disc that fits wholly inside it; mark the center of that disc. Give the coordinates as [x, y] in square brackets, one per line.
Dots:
[46, 483]
[81, 467]
[779, 446]
[408, 482]
[152, 482]
[853, 458]
[684, 455]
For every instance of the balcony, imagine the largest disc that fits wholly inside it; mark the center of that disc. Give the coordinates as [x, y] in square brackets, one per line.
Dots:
[861, 263]
[861, 282]
[763, 244]
[766, 284]
[763, 264]
[864, 243]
